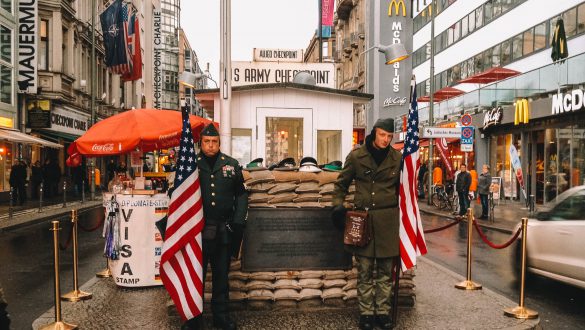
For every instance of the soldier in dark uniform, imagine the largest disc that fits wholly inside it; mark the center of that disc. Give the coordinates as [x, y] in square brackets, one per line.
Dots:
[225, 208]
[375, 167]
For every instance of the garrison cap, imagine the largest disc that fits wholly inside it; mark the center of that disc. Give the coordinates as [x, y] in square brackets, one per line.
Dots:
[210, 130]
[385, 124]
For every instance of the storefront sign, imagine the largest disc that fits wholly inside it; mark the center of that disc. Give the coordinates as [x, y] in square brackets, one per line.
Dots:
[521, 112]
[69, 121]
[567, 102]
[248, 73]
[388, 102]
[293, 239]
[493, 117]
[141, 241]
[278, 55]
[439, 132]
[27, 46]
[39, 113]
[517, 166]
[327, 10]
[157, 56]
[443, 148]
[6, 122]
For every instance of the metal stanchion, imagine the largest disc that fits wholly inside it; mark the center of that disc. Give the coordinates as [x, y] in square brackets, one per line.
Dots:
[106, 272]
[65, 193]
[521, 312]
[41, 198]
[92, 180]
[532, 203]
[82, 191]
[76, 294]
[11, 205]
[468, 284]
[58, 324]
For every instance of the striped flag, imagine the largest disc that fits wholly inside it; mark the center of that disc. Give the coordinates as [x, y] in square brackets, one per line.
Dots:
[182, 258]
[113, 28]
[134, 50]
[412, 240]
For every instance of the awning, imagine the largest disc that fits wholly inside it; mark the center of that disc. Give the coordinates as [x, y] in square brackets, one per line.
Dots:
[489, 76]
[18, 137]
[442, 94]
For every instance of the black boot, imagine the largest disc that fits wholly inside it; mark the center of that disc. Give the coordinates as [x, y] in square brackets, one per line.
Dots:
[193, 324]
[224, 323]
[366, 322]
[384, 322]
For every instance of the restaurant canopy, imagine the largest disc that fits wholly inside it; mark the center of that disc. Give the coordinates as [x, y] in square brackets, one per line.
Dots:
[10, 135]
[442, 94]
[489, 76]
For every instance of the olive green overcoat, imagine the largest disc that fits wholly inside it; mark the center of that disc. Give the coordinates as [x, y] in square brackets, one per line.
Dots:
[376, 191]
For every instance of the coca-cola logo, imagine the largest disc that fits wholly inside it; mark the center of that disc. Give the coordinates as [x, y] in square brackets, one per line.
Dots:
[168, 136]
[103, 147]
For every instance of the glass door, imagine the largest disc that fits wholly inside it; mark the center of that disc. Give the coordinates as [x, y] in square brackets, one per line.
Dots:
[284, 133]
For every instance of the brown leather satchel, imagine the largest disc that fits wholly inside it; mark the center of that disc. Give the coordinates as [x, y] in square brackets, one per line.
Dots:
[357, 228]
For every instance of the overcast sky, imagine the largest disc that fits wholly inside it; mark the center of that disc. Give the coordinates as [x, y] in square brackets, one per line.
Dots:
[255, 24]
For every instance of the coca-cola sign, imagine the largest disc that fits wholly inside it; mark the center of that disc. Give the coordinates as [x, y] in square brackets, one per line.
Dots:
[493, 117]
[108, 147]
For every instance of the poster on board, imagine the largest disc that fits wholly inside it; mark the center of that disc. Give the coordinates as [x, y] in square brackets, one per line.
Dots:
[496, 187]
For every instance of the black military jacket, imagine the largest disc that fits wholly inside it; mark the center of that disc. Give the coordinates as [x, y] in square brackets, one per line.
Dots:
[222, 188]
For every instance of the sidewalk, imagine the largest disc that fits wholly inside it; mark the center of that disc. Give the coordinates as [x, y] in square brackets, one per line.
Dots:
[438, 306]
[506, 215]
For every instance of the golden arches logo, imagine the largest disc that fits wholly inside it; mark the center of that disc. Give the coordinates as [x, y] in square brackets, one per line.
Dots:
[397, 5]
[521, 112]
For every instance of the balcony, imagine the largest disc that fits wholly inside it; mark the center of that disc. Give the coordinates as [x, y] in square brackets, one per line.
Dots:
[346, 45]
[344, 8]
[353, 38]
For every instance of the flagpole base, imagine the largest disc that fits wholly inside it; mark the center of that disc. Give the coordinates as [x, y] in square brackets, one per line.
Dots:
[104, 273]
[76, 295]
[59, 326]
[520, 313]
[468, 285]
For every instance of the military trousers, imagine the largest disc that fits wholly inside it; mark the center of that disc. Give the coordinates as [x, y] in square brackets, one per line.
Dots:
[216, 253]
[374, 286]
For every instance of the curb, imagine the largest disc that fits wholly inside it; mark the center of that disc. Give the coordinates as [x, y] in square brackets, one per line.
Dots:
[487, 226]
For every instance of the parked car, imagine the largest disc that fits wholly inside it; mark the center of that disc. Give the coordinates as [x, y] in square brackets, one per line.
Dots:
[555, 243]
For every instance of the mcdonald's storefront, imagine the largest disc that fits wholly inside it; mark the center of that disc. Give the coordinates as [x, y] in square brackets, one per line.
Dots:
[549, 136]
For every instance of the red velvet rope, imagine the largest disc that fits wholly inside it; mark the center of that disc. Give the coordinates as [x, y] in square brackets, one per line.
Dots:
[495, 246]
[100, 223]
[434, 230]
[68, 243]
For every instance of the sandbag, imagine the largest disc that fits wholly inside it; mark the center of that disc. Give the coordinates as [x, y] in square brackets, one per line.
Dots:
[326, 198]
[260, 295]
[308, 177]
[311, 283]
[309, 204]
[287, 205]
[307, 197]
[326, 177]
[351, 294]
[334, 274]
[286, 294]
[327, 189]
[237, 285]
[286, 176]
[286, 274]
[236, 265]
[259, 285]
[238, 296]
[287, 284]
[261, 206]
[351, 274]
[332, 293]
[308, 187]
[262, 276]
[257, 177]
[351, 284]
[311, 274]
[262, 187]
[246, 175]
[235, 275]
[306, 294]
[259, 198]
[287, 197]
[282, 188]
[338, 283]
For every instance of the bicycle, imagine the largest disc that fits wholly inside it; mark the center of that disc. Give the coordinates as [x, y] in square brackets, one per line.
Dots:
[441, 198]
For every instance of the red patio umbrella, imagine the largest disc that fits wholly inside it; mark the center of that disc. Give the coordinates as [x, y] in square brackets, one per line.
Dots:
[142, 129]
[442, 94]
[490, 75]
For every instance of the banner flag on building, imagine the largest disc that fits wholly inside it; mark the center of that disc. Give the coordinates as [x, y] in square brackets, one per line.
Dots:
[182, 258]
[412, 240]
[559, 42]
[327, 7]
[112, 20]
[134, 50]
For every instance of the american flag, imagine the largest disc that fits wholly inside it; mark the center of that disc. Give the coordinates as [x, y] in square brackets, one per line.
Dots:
[182, 258]
[412, 240]
[124, 68]
[133, 50]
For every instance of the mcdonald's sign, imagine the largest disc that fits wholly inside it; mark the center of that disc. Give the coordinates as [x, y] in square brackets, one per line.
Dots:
[521, 112]
[397, 5]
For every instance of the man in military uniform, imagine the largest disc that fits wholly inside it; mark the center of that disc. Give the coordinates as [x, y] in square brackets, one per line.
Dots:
[225, 208]
[375, 167]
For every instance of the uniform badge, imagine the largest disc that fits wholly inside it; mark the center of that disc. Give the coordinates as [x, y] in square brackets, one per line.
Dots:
[228, 171]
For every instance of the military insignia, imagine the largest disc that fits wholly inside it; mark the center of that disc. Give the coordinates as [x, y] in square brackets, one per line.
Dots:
[228, 171]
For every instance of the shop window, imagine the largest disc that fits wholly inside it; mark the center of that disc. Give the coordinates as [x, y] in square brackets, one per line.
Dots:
[284, 138]
[5, 165]
[570, 19]
[528, 38]
[242, 145]
[328, 146]
[581, 19]
[540, 36]
[517, 47]
[5, 84]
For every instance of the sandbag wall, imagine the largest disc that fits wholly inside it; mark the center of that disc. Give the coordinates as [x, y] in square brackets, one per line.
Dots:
[264, 290]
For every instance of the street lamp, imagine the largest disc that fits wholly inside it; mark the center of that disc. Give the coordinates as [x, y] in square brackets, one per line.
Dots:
[189, 79]
[392, 53]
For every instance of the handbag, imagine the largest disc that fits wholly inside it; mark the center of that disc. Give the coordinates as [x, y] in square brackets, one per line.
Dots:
[357, 228]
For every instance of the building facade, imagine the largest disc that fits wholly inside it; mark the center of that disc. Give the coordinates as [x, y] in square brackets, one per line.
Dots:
[188, 62]
[169, 28]
[474, 36]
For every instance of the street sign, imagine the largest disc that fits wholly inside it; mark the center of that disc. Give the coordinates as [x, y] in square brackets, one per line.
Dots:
[467, 133]
[466, 147]
[466, 120]
[441, 132]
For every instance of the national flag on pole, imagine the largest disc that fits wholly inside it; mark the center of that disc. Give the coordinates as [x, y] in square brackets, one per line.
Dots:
[134, 50]
[182, 259]
[112, 20]
[412, 240]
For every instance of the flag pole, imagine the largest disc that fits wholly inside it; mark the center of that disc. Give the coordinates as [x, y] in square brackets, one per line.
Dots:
[431, 99]
[92, 93]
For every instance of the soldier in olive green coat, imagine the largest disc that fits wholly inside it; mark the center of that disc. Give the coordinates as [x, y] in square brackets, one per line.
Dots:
[225, 208]
[375, 167]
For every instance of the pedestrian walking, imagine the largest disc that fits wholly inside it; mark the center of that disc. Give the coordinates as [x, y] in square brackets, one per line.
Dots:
[375, 167]
[462, 184]
[422, 173]
[483, 187]
[111, 169]
[36, 178]
[17, 182]
[225, 205]
[4, 319]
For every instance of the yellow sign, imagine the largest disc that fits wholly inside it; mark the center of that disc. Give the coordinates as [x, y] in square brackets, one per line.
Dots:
[397, 5]
[521, 112]
[44, 105]
[6, 122]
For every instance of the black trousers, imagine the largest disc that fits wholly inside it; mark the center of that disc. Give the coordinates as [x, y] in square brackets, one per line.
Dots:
[216, 252]
[484, 205]
[463, 202]
[19, 193]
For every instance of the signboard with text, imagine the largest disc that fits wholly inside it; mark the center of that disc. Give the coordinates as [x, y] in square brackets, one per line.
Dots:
[278, 55]
[441, 132]
[467, 134]
[39, 113]
[69, 121]
[27, 46]
[249, 73]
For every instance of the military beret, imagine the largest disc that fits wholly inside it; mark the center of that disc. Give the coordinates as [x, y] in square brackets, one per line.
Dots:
[386, 124]
[210, 130]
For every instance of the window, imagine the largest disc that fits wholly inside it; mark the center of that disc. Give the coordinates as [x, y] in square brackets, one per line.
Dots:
[497, 8]
[517, 47]
[64, 55]
[6, 5]
[540, 36]
[487, 10]
[472, 22]
[581, 19]
[242, 145]
[528, 46]
[479, 17]
[470, 67]
[5, 44]
[456, 73]
[506, 5]
[328, 146]
[506, 55]
[44, 45]
[463, 69]
[570, 18]
[478, 63]
[450, 38]
[456, 31]
[572, 208]
[496, 56]
[487, 59]
[5, 84]
[464, 26]
[284, 138]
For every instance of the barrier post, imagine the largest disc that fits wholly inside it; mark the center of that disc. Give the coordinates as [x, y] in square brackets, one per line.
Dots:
[41, 198]
[76, 294]
[11, 205]
[106, 272]
[82, 191]
[64, 193]
[468, 284]
[58, 324]
[521, 312]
